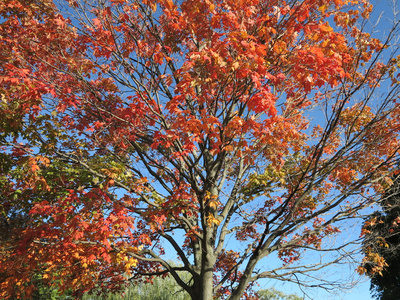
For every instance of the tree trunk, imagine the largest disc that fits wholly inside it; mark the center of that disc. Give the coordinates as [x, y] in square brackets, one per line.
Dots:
[203, 285]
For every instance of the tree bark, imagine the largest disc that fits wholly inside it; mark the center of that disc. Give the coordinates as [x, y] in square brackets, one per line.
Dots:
[203, 284]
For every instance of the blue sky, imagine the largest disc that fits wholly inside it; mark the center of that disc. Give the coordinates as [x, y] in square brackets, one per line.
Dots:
[359, 292]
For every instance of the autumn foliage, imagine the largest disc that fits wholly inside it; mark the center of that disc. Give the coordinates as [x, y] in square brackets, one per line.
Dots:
[230, 130]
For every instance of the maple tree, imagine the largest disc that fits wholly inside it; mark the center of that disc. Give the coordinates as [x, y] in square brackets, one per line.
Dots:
[130, 125]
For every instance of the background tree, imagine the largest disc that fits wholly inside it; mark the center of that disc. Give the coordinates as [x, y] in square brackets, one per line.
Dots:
[273, 294]
[382, 245]
[128, 125]
[161, 288]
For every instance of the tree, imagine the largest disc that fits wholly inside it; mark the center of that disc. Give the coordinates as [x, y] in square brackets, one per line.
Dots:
[161, 288]
[46, 291]
[272, 294]
[382, 245]
[128, 125]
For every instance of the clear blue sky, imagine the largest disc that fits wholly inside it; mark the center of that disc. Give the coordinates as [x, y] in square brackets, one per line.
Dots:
[359, 292]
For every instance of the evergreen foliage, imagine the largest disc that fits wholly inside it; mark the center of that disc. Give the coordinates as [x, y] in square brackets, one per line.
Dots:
[382, 246]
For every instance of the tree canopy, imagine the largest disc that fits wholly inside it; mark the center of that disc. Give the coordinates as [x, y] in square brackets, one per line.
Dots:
[222, 133]
[382, 244]
[273, 294]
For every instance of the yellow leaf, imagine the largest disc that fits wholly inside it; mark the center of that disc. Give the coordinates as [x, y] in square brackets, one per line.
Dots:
[211, 220]
[213, 204]
[322, 9]
[154, 6]
[235, 65]
[132, 262]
